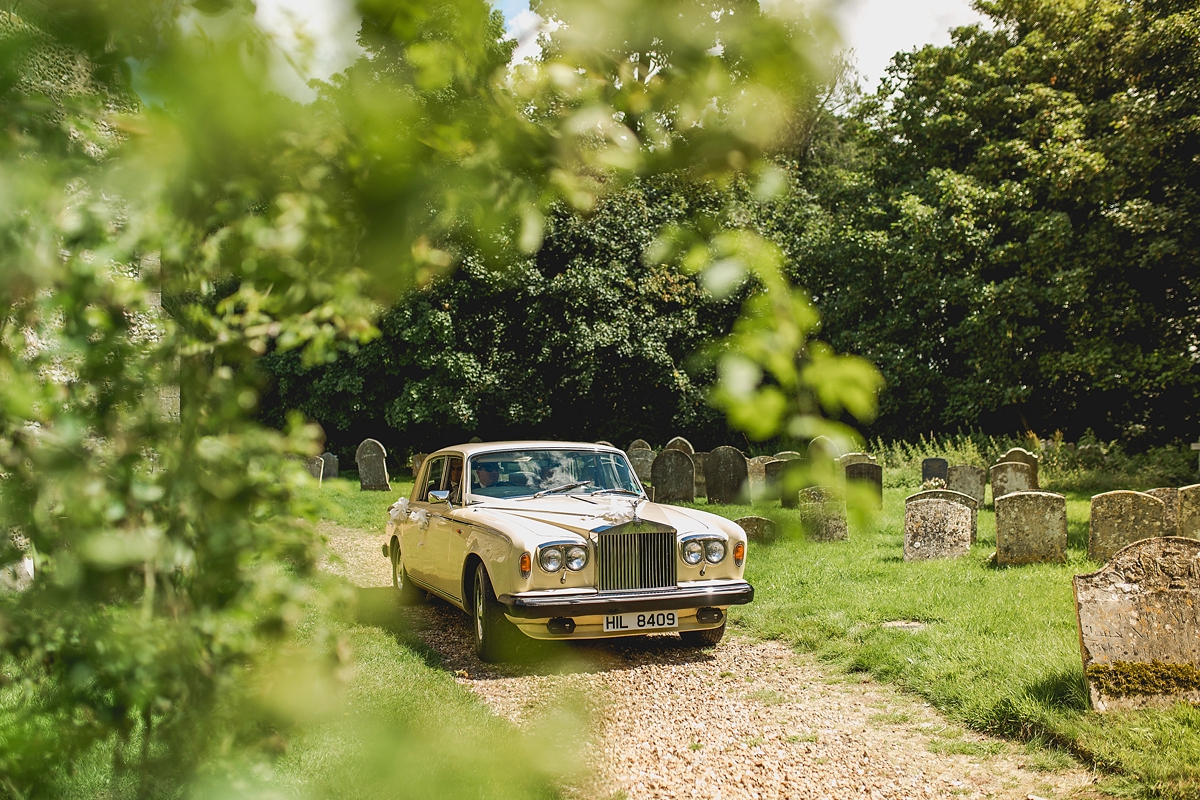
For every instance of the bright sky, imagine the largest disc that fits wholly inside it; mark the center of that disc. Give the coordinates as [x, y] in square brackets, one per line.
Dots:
[322, 32]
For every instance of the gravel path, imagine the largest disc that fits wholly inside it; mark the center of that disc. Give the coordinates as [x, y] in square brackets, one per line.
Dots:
[746, 719]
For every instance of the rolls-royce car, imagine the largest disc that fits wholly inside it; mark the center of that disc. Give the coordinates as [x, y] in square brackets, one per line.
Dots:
[559, 540]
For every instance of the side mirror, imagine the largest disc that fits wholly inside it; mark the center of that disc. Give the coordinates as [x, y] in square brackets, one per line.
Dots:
[439, 496]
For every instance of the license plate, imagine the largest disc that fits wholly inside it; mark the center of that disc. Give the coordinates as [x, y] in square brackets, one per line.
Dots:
[651, 620]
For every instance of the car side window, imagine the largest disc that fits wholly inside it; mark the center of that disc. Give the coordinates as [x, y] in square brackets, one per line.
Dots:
[454, 479]
[433, 478]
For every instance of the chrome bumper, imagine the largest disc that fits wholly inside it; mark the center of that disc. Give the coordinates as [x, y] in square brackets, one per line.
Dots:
[546, 606]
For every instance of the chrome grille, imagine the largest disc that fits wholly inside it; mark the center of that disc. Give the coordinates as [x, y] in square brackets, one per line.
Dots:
[635, 560]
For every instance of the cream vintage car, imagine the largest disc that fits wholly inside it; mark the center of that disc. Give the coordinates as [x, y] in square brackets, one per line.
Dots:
[558, 540]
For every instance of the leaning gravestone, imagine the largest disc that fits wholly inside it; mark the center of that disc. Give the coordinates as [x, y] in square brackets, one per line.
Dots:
[727, 476]
[1012, 476]
[758, 529]
[934, 468]
[777, 477]
[867, 474]
[641, 461]
[1189, 511]
[1139, 630]
[1031, 528]
[698, 461]
[1120, 518]
[936, 528]
[680, 443]
[371, 459]
[1170, 498]
[823, 515]
[674, 477]
[315, 466]
[756, 474]
[967, 479]
[331, 465]
[639, 444]
[953, 497]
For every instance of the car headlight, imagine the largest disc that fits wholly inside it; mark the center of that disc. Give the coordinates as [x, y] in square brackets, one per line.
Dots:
[550, 559]
[714, 551]
[576, 558]
[693, 551]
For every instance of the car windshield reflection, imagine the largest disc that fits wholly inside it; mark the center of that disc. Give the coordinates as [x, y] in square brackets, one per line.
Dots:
[530, 473]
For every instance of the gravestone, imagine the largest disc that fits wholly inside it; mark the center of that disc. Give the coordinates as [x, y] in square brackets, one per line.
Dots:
[371, 459]
[698, 461]
[641, 461]
[822, 447]
[605, 444]
[331, 465]
[1120, 518]
[727, 476]
[674, 477]
[777, 473]
[1012, 476]
[680, 443]
[475, 440]
[936, 528]
[823, 514]
[315, 466]
[1031, 528]
[788, 455]
[1189, 511]
[1022, 456]
[1170, 498]
[639, 444]
[967, 479]
[865, 473]
[953, 497]
[417, 460]
[1139, 630]
[756, 469]
[855, 458]
[758, 529]
[934, 468]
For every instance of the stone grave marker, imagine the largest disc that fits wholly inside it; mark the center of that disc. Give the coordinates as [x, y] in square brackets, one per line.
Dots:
[823, 514]
[1022, 456]
[822, 447]
[371, 459]
[788, 455]
[417, 460]
[331, 465]
[606, 444]
[1120, 518]
[777, 471]
[1170, 498]
[756, 470]
[967, 479]
[680, 443]
[758, 529]
[727, 476]
[1012, 476]
[1031, 528]
[315, 466]
[1189, 511]
[936, 528]
[674, 477]
[639, 444]
[864, 472]
[953, 497]
[855, 458]
[641, 461]
[475, 440]
[934, 468]
[1139, 629]
[698, 461]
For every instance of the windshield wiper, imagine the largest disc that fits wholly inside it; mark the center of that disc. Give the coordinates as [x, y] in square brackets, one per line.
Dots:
[566, 487]
[617, 491]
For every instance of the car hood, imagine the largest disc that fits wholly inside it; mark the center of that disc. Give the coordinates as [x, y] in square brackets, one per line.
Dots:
[578, 516]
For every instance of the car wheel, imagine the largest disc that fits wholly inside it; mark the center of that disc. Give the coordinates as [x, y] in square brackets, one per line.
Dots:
[494, 634]
[708, 638]
[406, 590]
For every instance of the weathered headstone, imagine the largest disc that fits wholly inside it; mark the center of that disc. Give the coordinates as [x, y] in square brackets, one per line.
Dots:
[936, 528]
[331, 465]
[641, 461]
[758, 529]
[1139, 626]
[1170, 498]
[1031, 528]
[606, 444]
[1022, 456]
[823, 514]
[698, 461]
[1189, 511]
[371, 459]
[639, 444]
[756, 469]
[475, 440]
[855, 458]
[777, 479]
[315, 466]
[674, 477]
[680, 443]
[967, 479]
[727, 476]
[417, 460]
[866, 473]
[788, 455]
[1012, 476]
[1120, 518]
[934, 468]
[953, 497]
[822, 447]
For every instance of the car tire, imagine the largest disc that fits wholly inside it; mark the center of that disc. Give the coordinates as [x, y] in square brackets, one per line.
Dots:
[406, 591]
[708, 638]
[495, 636]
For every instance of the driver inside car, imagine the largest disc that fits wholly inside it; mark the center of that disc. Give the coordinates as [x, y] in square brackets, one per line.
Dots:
[486, 474]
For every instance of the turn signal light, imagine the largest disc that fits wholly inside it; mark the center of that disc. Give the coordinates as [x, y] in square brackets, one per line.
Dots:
[739, 553]
[526, 564]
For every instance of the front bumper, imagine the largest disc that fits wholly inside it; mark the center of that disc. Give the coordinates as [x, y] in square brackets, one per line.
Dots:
[545, 606]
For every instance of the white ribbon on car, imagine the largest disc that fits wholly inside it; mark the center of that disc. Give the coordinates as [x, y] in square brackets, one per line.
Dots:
[421, 517]
[619, 511]
[399, 509]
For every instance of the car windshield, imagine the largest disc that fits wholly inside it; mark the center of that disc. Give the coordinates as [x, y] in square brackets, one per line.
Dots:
[525, 473]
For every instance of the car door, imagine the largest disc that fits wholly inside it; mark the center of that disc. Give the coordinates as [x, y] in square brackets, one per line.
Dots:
[455, 532]
[415, 540]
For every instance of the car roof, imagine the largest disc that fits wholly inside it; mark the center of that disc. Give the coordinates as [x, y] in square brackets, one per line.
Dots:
[476, 448]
